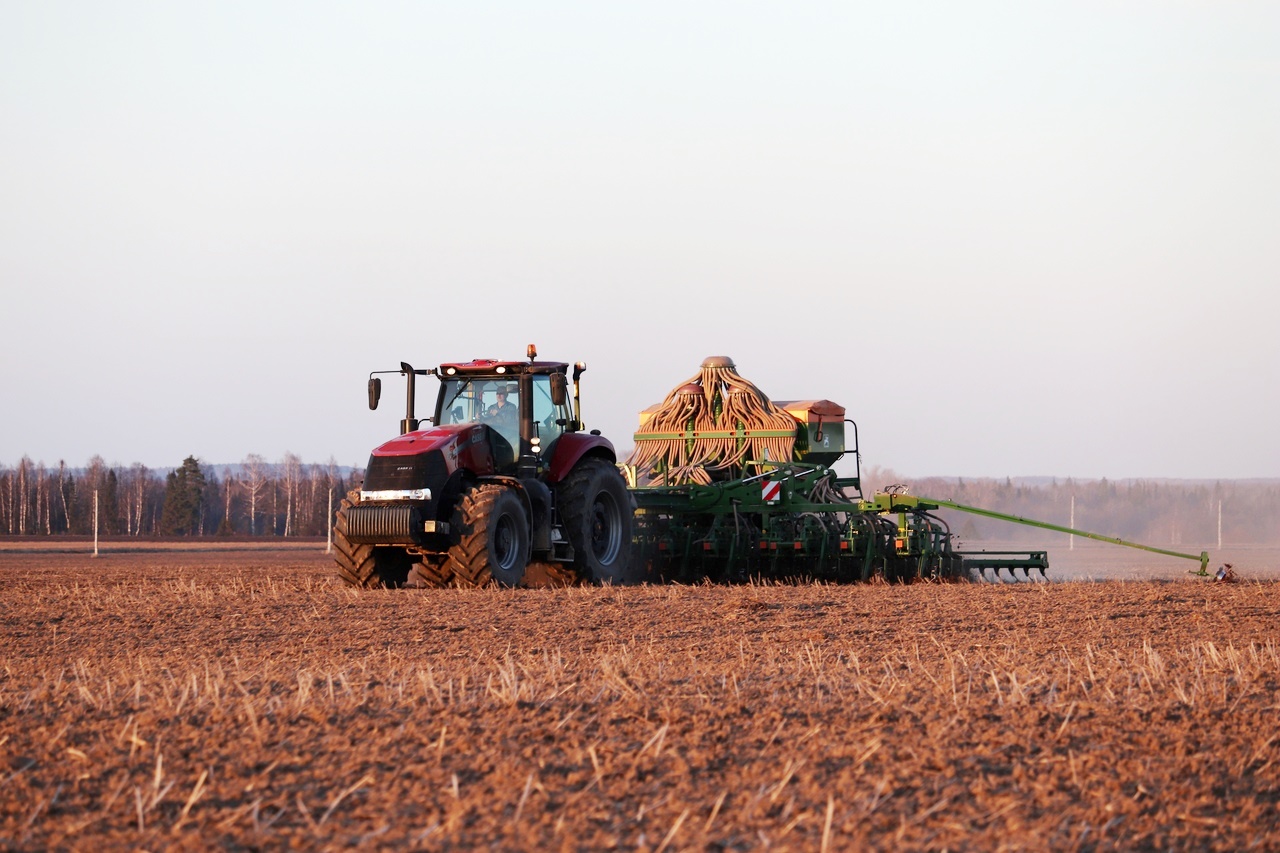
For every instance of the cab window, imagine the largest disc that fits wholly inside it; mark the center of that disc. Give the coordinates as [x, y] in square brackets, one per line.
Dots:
[549, 420]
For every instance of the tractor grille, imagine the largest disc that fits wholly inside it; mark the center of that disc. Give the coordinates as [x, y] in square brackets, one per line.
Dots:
[424, 471]
[383, 525]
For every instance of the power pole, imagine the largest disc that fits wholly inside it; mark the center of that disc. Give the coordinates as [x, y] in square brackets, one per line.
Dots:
[95, 523]
[1071, 543]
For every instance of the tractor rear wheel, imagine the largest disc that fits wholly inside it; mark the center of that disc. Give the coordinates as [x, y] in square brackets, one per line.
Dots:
[365, 566]
[493, 538]
[598, 516]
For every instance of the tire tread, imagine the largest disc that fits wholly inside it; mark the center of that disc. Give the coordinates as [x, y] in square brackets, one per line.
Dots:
[356, 565]
[468, 560]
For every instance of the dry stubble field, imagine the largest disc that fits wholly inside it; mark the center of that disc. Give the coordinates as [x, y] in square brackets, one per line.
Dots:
[243, 699]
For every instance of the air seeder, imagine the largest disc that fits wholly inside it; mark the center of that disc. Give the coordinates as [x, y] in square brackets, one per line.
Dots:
[507, 486]
[732, 486]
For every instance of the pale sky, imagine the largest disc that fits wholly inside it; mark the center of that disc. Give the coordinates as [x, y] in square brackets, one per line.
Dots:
[1010, 238]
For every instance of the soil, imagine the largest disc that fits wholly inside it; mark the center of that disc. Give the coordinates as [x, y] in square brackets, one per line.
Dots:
[242, 698]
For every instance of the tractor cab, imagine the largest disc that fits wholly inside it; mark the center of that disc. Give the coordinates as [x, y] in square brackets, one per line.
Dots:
[526, 405]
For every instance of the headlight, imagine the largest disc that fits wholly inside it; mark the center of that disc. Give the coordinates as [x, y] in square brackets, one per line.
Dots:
[396, 495]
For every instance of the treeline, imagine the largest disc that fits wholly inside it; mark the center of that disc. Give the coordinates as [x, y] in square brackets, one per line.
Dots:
[254, 498]
[291, 498]
[1163, 513]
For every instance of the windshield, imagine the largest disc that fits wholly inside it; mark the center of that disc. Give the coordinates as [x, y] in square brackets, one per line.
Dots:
[495, 402]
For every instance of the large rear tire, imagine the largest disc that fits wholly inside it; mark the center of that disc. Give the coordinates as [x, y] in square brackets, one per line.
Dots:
[598, 517]
[493, 538]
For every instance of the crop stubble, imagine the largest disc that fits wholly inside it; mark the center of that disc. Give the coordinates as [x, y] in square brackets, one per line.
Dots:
[246, 699]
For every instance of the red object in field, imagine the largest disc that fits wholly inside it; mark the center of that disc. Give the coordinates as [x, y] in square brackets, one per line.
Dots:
[504, 475]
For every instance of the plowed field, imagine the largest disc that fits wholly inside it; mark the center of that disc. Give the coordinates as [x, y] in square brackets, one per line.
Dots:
[244, 699]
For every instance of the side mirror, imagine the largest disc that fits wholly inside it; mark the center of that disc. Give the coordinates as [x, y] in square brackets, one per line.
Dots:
[375, 392]
[559, 389]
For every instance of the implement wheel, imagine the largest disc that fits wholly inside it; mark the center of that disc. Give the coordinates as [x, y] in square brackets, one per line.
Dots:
[365, 566]
[493, 538]
[598, 518]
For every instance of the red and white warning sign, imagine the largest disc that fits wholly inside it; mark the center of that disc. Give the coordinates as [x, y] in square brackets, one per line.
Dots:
[771, 492]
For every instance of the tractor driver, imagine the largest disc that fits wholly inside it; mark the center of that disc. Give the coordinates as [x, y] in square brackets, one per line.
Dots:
[502, 414]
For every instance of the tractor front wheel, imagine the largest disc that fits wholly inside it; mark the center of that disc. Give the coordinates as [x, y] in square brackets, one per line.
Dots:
[365, 566]
[493, 538]
[429, 572]
[598, 516]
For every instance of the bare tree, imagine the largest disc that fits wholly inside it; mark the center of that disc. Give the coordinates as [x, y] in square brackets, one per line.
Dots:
[7, 488]
[42, 499]
[274, 482]
[97, 478]
[254, 479]
[62, 493]
[24, 479]
[139, 474]
[127, 483]
[226, 526]
[6, 499]
[291, 469]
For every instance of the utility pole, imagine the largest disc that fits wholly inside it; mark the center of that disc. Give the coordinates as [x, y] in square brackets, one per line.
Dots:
[95, 523]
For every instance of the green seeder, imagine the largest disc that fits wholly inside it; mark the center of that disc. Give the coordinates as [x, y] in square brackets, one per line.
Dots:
[731, 487]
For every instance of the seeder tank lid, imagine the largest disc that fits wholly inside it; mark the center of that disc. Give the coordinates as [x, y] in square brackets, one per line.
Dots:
[811, 411]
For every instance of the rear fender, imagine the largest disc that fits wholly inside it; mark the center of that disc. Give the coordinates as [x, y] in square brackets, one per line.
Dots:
[572, 447]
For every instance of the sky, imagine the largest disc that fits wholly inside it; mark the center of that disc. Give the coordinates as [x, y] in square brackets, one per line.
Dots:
[1012, 239]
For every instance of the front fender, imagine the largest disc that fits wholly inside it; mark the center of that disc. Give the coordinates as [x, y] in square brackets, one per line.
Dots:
[573, 447]
[516, 486]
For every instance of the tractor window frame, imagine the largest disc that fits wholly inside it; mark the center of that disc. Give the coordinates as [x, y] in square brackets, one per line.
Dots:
[545, 413]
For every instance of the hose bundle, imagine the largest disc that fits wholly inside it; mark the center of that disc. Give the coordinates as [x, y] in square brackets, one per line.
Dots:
[717, 400]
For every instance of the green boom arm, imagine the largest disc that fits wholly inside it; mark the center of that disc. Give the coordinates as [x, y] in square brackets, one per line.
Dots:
[906, 501]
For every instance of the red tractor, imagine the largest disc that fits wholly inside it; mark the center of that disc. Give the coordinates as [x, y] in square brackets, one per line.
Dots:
[503, 487]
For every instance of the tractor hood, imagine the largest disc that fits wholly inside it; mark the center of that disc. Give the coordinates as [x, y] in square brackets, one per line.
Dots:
[424, 440]
[428, 459]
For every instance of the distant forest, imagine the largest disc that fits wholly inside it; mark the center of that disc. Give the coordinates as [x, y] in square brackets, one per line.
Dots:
[1163, 513]
[253, 498]
[291, 498]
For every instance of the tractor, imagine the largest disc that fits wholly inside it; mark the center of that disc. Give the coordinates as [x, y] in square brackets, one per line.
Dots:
[501, 485]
